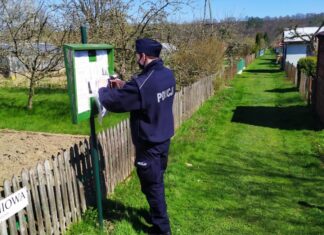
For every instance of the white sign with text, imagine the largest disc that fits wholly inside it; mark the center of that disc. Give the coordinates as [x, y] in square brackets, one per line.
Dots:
[13, 204]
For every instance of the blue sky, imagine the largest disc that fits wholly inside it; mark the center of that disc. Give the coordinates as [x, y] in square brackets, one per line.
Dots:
[242, 8]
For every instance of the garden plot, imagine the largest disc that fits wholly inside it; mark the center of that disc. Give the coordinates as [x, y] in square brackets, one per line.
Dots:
[19, 150]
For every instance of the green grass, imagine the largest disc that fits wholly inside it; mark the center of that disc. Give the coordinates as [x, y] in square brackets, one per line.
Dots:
[248, 162]
[51, 112]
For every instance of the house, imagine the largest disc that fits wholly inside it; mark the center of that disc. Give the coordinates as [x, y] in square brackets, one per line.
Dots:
[319, 82]
[167, 49]
[296, 44]
[11, 65]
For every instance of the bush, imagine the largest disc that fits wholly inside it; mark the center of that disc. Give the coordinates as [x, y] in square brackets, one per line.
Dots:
[308, 65]
[197, 59]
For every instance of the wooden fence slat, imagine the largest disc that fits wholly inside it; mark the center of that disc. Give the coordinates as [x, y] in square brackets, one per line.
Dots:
[74, 182]
[36, 200]
[51, 196]
[127, 154]
[62, 172]
[87, 170]
[12, 220]
[120, 159]
[130, 148]
[115, 155]
[118, 153]
[116, 137]
[106, 161]
[66, 157]
[59, 204]
[123, 150]
[109, 162]
[75, 189]
[3, 225]
[132, 145]
[44, 198]
[81, 185]
[102, 142]
[21, 214]
[29, 208]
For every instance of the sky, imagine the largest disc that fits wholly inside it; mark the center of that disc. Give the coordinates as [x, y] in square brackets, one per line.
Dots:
[242, 8]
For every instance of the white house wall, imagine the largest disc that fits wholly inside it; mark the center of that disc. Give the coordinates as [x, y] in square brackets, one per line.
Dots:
[295, 52]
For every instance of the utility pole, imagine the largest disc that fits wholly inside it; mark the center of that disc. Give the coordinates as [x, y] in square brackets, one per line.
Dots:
[209, 6]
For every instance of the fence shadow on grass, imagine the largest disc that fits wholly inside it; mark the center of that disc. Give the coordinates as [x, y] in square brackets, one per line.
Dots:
[283, 90]
[116, 211]
[284, 118]
[269, 59]
[262, 70]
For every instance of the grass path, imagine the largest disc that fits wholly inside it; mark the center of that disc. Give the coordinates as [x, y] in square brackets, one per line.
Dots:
[246, 163]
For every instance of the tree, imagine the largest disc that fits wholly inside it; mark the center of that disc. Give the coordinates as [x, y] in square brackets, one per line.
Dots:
[259, 41]
[308, 38]
[266, 39]
[119, 22]
[34, 36]
[254, 22]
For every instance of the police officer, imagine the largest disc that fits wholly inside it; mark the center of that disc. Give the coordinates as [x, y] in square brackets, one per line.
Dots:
[149, 98]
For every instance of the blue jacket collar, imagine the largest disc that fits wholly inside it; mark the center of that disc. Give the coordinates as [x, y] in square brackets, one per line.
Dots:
[155, 64]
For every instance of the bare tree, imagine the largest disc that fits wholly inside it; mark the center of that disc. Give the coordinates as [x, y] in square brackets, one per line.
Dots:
[120, 22]
[34, 37]
[306, 37]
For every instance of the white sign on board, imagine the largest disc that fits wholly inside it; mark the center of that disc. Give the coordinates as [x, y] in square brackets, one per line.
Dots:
[87, 76]
[13, 204]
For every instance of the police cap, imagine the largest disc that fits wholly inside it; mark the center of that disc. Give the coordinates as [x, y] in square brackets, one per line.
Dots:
[148, 46]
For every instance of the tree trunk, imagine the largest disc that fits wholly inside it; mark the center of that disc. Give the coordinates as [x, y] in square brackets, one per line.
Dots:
[30, 95]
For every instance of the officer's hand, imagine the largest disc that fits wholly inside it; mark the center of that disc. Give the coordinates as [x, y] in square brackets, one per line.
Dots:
[116, 83]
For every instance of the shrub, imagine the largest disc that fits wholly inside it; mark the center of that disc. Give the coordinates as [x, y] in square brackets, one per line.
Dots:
[308, 65]
[196, 59]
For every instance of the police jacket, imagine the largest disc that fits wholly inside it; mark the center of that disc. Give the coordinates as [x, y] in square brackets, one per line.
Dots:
[149, 99]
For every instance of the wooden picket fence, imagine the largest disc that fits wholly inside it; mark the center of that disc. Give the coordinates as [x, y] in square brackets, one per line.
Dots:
[61, 189]
[228, 73]
[302, 82]
[249, 59]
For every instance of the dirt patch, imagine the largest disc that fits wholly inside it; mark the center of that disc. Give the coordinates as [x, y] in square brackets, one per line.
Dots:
[22, 150]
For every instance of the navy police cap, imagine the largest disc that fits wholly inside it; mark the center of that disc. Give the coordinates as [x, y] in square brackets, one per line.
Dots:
[148, 46]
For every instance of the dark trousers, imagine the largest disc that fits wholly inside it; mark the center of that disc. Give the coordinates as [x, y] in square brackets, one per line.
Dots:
[151, 163]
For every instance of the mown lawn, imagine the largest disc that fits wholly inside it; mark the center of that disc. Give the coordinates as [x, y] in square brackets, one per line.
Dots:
[248, 162]
[51, 112]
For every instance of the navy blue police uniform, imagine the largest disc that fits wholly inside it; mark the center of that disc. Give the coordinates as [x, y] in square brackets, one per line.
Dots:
[149, 99]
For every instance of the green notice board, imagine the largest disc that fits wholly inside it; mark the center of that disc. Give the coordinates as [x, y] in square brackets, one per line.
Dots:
[85, 65]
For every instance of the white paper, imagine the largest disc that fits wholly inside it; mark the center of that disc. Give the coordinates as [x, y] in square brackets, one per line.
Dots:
[87, 76]
[13, 204]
